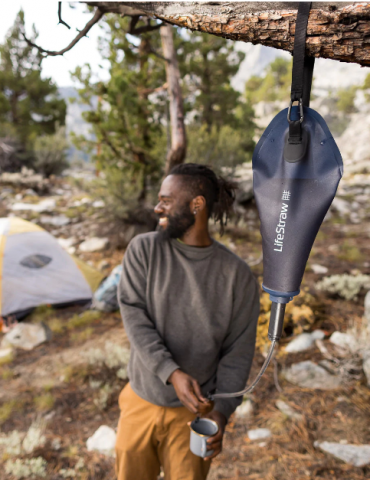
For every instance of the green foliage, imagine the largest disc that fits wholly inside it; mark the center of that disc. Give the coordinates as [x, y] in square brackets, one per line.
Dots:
[366, 84]
[274, 85]
[50, 153]
[6, 410]
[29, 104]
[219, 148]
[207, 64]
[44, 402]
[84, 319]
[220, 122]
[346, 99]
[126, 119]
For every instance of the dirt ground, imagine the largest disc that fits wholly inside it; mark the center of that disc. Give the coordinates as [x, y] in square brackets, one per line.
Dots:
[55, 383]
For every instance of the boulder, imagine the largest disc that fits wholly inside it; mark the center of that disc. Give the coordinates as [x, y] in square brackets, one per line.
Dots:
[103, 440]
[319, 269]
[341, 206]
[309, 375]
[366, 368]
[245, 410]
[288, 410]
[344, 340]
[98, 204]
[27, 335]
[304, 341]
[94, 244]
[259, 433]
[57, 221]
[356, 455]
[47, 205]
[66, 243]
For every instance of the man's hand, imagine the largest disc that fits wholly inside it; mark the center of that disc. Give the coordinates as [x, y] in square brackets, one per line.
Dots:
[215, 443]
[189, 393]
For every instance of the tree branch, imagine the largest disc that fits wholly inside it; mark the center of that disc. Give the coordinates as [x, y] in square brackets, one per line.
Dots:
[60, 16]
[48, 53]
[336, 30]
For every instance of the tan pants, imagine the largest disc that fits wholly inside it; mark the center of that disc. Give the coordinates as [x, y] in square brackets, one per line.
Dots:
[150, 436]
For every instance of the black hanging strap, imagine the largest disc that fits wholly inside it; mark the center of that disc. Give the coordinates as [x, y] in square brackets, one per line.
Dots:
[301, 74]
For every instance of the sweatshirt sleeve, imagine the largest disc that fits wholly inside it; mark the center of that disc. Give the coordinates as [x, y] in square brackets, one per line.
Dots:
[238, 347]
[140, 328]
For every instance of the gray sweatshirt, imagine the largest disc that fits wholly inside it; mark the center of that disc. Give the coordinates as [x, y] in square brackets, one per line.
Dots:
[190, 308]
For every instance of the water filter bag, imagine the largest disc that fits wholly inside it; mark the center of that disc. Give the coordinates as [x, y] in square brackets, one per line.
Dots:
[293, 196]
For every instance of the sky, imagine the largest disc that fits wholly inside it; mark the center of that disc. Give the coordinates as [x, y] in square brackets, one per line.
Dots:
[44, 14]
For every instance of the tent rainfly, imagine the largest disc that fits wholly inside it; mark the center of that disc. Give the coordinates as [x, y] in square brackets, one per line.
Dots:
[35, 270]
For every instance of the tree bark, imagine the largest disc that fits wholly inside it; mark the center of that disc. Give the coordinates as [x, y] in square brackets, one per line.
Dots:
[336, 30]
[176, 154]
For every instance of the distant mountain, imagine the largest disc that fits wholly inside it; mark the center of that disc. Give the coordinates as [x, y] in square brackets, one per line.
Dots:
[328, 74]
[74, 121]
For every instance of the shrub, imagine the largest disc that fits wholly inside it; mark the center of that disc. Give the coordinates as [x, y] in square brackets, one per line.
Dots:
[50, 153]
[28, 468]
[44, 402]
[346, 286]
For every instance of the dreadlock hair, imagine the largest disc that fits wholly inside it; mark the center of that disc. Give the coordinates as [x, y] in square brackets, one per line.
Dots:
[218, 192]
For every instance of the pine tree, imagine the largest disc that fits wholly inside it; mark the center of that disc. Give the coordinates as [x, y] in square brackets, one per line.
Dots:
[128, 142]
[220, 120]
[208, 64]
[29, 104]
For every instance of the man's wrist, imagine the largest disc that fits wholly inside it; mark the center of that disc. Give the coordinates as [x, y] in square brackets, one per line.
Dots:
[173, 374]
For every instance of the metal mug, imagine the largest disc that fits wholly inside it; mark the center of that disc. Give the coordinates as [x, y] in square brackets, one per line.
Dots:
[201, 430]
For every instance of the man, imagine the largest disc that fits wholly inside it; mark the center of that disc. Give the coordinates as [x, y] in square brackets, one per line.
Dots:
[190, 309]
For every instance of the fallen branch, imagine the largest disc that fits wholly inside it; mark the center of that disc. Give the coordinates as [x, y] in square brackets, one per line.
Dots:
[83, 33]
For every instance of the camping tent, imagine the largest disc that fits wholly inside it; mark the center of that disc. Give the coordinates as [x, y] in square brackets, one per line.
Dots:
[36, 270]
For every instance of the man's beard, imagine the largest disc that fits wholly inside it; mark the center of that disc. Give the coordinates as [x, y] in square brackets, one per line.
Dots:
[178, 224]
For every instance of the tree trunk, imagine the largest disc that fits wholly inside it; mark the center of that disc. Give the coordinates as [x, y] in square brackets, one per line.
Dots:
[176, 154]
[336, 30]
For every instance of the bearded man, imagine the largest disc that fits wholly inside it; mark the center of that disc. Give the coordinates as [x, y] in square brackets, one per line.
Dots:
[190, 308]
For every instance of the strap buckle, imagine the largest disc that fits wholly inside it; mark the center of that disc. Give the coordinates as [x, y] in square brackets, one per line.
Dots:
[301, 116]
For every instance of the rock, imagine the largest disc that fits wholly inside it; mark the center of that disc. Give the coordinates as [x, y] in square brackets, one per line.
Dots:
[103, 440]
[341, 206]
[26, 178]
[319, 269]
[66, 243]
[366, 368]
[5, 353]
[357, 455]
[244, 179]
[58, 221]
[309, 375]
[354, 147]
[98, 204]
[47, 205]
[367, 307]
[344, 340]
[259, 433]
[304, 341]
[245, 410]
[103, 265]
[288, 410]
[31, 192]
[94, 244]
[27, 335]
